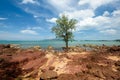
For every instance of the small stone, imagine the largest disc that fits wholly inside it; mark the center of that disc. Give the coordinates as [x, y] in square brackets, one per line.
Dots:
[51, 68]
[43, 70]
[37, 47]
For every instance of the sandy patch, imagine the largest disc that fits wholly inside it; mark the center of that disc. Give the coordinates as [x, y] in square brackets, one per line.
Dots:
[58, 63]
[74, 53]
[114, 58]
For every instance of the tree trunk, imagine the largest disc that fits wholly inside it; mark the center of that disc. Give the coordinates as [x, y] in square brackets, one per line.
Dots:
[66, 44]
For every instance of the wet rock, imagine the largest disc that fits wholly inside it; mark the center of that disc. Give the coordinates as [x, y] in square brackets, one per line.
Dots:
[48, 75]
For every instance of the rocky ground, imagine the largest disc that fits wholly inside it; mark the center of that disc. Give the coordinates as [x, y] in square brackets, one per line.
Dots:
[98, 63]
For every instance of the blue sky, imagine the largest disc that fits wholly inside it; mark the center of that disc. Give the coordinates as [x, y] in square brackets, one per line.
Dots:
[33, 19]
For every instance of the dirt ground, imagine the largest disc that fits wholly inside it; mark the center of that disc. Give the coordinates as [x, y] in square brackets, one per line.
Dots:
[102, 63]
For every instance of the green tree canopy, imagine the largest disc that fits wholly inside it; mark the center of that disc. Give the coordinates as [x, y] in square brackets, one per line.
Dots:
[64, 28]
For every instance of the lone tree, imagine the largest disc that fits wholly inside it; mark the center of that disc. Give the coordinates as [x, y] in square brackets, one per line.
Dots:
[64, 29]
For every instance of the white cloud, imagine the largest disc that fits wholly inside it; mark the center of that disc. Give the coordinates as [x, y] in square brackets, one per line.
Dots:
[35, 28]
[1, 18]
[86, 19]
[103, 23]
[28, 1]
[33, 12]
[18, 36]
[106, 23]
[79, 14]
[109, 31]
[28, 31]
[86, 24]
[102, 20]
[52, 20]
[76, 14]
[61, 5]
[35, 16]
[116, 13]
[106, 13]
[115, 19]
[94, 3]
[98, 23]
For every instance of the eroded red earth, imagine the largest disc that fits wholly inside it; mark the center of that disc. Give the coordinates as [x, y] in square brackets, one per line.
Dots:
[37, 64]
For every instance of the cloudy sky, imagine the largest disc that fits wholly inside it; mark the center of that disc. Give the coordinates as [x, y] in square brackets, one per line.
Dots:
[33, 19]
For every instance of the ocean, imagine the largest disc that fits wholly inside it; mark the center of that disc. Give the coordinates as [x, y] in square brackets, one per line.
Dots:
[57, 44]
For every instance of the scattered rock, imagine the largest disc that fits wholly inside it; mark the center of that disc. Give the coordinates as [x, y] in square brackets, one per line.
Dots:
[14, 46]
[113, 49]
[48, 75]
[33, 63]
[37, 47]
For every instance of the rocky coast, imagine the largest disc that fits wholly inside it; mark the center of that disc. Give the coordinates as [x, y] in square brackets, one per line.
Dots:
[97, 63]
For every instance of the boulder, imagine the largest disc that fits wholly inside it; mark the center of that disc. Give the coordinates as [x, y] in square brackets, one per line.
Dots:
[14, 46]
[48, 75]
[2, 46]
[37, 47]
[50, 48]
[7, 46]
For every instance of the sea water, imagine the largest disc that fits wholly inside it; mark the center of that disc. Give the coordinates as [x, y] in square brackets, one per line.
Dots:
[57, 44]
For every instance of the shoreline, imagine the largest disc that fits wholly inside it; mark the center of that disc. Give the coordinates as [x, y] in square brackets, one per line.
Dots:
[26, 46]
[58, 44]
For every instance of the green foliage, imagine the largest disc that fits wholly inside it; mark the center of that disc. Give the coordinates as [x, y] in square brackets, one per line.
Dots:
[64, 28]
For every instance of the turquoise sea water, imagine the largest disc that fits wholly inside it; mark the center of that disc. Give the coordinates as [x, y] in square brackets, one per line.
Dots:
[57, 44]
